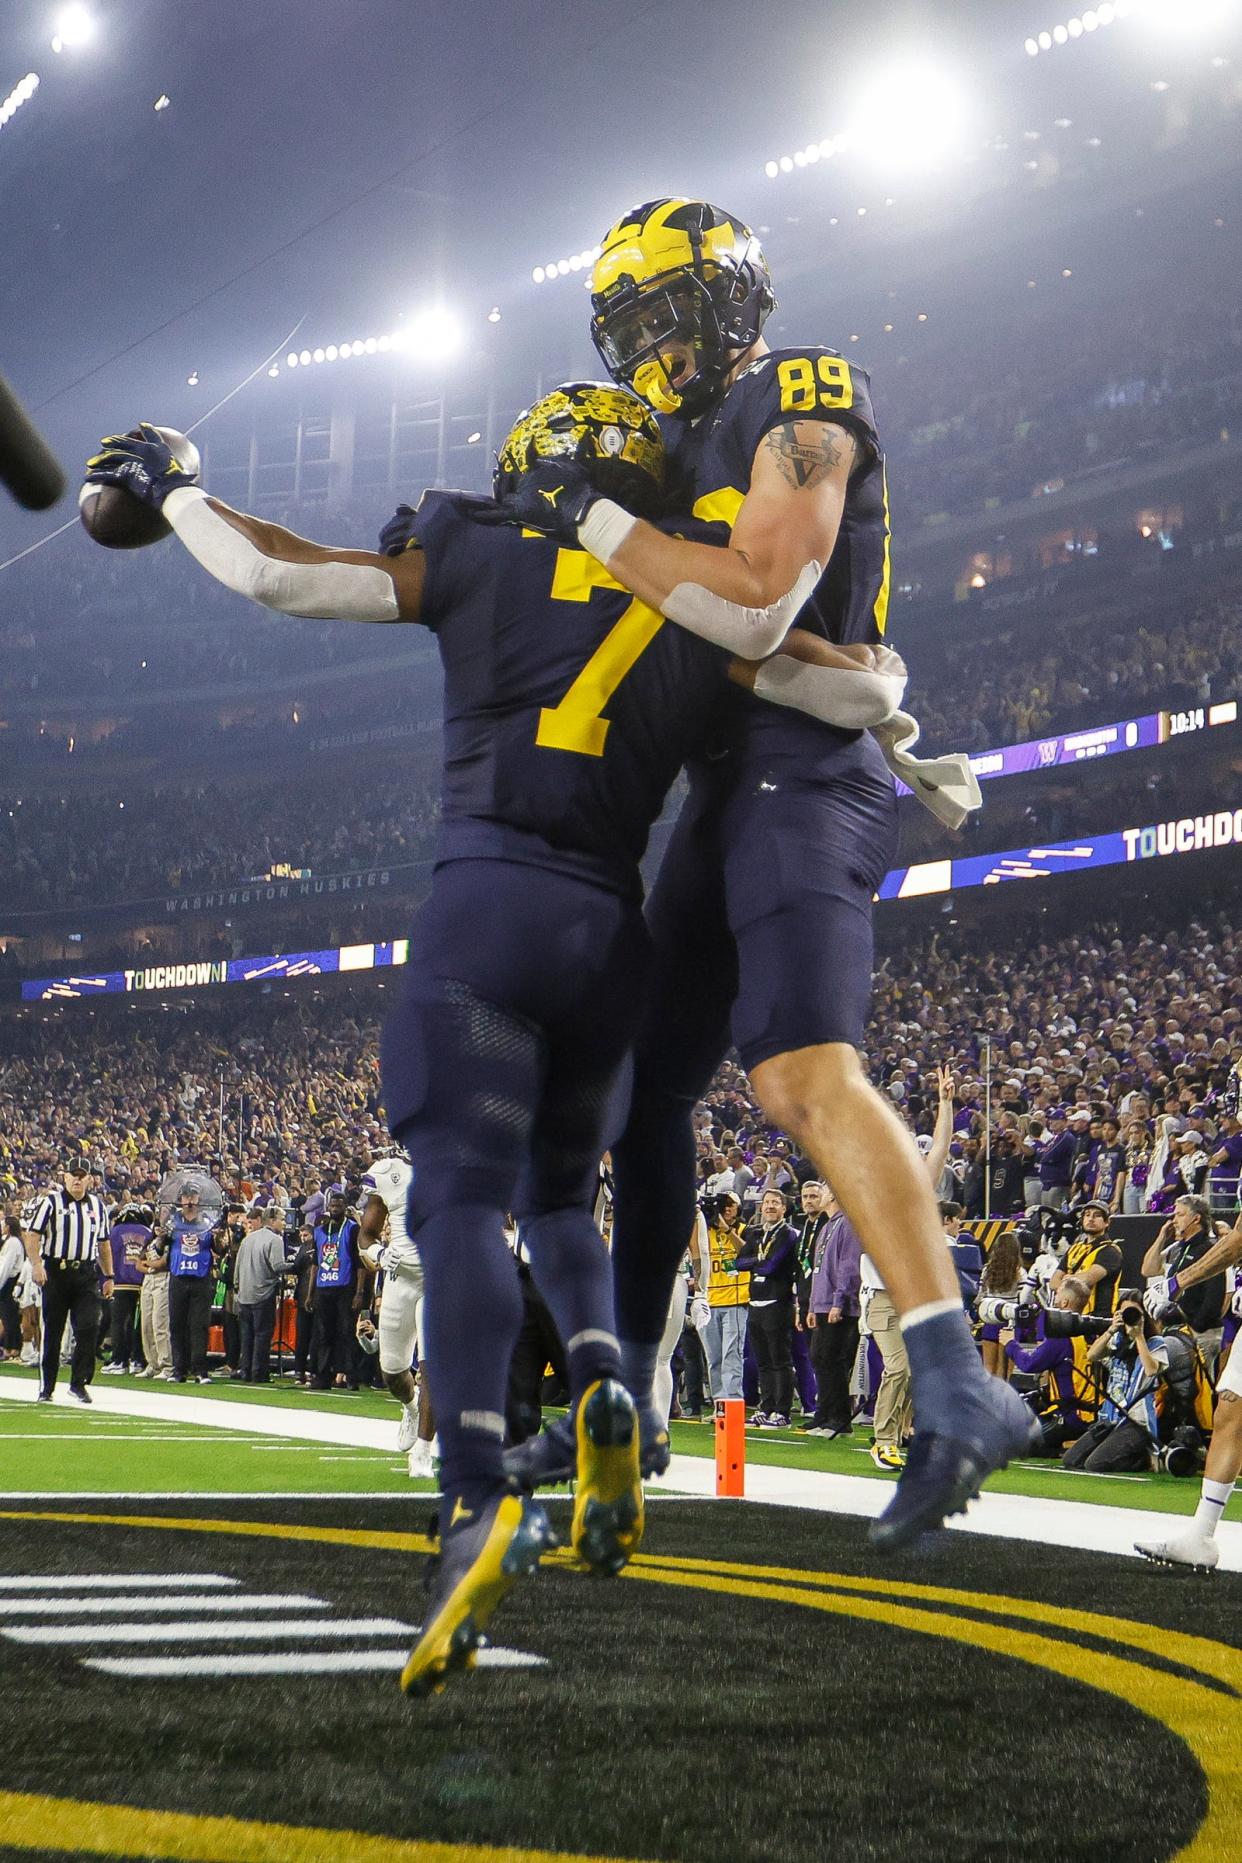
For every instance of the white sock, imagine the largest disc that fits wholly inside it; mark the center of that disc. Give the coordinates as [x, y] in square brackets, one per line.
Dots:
[1211, 1506]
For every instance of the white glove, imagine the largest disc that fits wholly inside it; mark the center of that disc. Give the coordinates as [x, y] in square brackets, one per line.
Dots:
[945, 785]
[1161, 1290]
[700, 1312]
[374, 1257]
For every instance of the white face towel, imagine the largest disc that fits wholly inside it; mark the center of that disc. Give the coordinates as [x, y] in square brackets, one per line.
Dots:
[945, 785]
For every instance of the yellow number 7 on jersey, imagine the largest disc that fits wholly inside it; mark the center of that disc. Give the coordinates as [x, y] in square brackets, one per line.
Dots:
[577, 722]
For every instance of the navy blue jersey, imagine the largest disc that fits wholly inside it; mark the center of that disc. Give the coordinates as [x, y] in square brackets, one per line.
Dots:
[569, 705]
[710, 464]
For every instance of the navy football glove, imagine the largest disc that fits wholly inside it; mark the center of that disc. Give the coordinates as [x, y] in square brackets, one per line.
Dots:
[553, 497]
[398, 534]
[142, 463]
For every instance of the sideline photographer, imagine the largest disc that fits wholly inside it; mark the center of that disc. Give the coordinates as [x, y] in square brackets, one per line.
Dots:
[728, 1296]
[1065, 1403]
[1135, 1358]
[1094, 1258]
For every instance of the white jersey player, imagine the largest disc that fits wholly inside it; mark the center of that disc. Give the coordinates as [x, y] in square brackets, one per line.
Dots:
[401, 1304]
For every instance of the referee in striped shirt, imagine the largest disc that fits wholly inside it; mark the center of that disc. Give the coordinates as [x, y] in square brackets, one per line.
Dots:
[66, 1235]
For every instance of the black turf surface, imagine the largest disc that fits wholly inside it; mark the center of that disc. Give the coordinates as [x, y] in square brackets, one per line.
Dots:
[670, 1724]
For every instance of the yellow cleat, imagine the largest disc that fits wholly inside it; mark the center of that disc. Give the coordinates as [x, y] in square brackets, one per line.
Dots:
[483, 1553]
[608, 1501]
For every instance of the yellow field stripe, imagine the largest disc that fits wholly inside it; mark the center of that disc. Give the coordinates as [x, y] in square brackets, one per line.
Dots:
[1218, 1660]
[1208, 1722]
[29, 1821]
[256, 1529]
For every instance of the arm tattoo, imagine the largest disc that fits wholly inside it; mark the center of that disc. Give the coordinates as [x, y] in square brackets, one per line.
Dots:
[807, 452]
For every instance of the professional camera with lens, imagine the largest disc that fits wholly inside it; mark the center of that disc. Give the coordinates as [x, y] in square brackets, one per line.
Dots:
[713, 1207]
[1006, 1310]
[1061, 1324]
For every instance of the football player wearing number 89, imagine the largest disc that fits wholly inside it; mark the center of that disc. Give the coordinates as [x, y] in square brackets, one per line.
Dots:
[784, 840]
[569, 708]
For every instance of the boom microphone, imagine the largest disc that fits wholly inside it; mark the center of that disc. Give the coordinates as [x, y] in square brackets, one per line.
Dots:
[27, 466]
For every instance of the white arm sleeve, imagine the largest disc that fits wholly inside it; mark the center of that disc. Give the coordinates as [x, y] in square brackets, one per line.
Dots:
[316, 591]
[751, 632]
[840, 696]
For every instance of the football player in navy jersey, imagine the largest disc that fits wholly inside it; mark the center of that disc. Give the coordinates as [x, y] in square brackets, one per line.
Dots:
[569, 708]
[785, 838]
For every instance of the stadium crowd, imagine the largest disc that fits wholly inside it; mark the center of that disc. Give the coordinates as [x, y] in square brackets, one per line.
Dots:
[1113, 1081]
[1134, 1027]
[1035, 414]
[1070, 673]
[124, 840]
[90, 849]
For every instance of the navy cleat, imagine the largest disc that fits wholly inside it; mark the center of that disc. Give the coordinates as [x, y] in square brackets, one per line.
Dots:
[943, 1472]
[484, 1551]
[550, 1459]
[608, 1500]
[544, 1461]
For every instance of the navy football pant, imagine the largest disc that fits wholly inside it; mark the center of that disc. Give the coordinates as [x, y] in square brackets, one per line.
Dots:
[505, 1074]
[761, 924]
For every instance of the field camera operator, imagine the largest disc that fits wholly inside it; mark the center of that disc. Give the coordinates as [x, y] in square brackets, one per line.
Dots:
[727, 1291]
[1134, 1357]
[1065, 1397]
[1093, 1258]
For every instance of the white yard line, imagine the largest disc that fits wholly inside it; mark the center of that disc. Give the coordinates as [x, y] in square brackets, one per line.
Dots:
[122, 1436]
[142, 1601]
[308, 1662]
[217, 1630]
[118, 1581]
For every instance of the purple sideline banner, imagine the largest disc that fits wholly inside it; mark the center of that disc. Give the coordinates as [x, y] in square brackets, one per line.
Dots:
[1188, 834]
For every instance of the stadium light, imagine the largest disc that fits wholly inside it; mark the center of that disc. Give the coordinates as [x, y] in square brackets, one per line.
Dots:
[21, 93]
[1182, 16]
[74, 27]
[433, 335]
[912, 116]
[1178, 14]
[562, 268]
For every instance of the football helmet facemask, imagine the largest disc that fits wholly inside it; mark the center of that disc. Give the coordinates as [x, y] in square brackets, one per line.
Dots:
[604, 429]
[679, 291]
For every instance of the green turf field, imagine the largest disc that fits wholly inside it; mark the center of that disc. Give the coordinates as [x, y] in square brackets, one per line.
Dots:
[168, 1458]
[754, 1688]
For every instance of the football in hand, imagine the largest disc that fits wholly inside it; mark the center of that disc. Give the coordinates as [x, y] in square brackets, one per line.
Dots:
[118, 520]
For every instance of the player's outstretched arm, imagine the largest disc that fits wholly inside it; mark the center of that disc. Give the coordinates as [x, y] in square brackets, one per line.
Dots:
[261, 561]
[286, 572]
